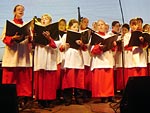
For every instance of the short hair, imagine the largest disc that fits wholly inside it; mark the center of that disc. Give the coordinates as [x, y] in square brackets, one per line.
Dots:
[47, 15]
[133, 21]
[126, 26]
[17, 6]
[145, 25]
[84, 18]
[62, 19]
[71, 22]
[100, 20]
[140, 19]
[114, 23]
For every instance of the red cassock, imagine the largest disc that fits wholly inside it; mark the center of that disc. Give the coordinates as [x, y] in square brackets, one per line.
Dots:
[22, 77]
[45, 71]
[135, 63]
[87, 78]
[102, 82]
[122, 75]
[102, 72]
[45, 85]
[73, 78]
[17, 64]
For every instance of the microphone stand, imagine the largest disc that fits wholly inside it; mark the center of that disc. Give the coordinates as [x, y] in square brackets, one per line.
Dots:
[148, 59]
[33, 48]
[117, 105]
[123, 59]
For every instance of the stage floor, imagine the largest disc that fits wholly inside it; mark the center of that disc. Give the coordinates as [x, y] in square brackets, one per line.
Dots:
[89, 107]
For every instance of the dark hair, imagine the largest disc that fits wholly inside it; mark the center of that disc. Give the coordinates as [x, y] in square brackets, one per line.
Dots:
[133, 21]
[126, 26]
[62, 20]
[140, 19]
[83, 18]
[114, 23]
[71, 22]
[145, 25]
[17, 6]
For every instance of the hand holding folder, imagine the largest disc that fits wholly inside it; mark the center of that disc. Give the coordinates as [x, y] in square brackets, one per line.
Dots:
[19, 32]
[107, 43]
[135, 38]
[73, 36]
[39, 38]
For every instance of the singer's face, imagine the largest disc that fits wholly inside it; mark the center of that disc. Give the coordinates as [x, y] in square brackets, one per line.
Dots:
[116, 28]
[19, 12]
[107, 28]
[75, 27]
[45, 20]
[124, 30]
[101, 26]
[94, 26]
[62, 26]
[84, 23]
[139, 22]
[134, 27]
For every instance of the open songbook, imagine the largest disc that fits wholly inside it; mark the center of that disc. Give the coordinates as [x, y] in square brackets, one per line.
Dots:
[85, 36]
[12, 29]
[39, 38]
[135, 40]
[107, 43]
[72, 36]
[146, 37]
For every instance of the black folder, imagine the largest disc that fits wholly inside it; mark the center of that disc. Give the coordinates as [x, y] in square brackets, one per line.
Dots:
[135, 41]
[85, 36]
[39, 38]
[72, 36]
[12, 29]
[146, 37]
[107, 43]
[96, 39]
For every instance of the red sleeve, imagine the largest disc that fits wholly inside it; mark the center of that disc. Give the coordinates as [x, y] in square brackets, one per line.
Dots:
[96, 50]
[128, 48]
[114, 48]
[84, 47]
[8, 40]
[145, 45]
[61, 48]
[52, 43]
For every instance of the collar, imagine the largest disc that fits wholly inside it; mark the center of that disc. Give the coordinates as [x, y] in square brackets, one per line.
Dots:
[101, 33]
[114, 32]
[18, 21]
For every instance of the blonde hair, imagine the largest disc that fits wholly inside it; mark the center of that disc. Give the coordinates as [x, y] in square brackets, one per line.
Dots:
[47, 15]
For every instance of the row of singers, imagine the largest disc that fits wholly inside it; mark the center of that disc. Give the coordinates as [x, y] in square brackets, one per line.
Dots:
[78, 72]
